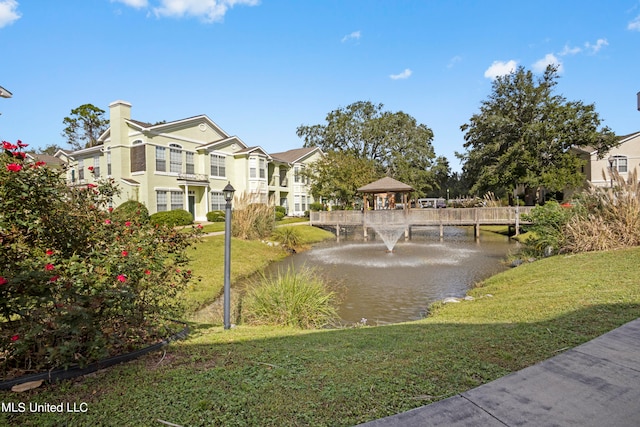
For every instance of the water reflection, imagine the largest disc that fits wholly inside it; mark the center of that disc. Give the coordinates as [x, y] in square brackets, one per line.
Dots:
[393, 287]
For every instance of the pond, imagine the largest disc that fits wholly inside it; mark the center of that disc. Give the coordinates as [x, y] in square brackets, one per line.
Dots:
[385, 287]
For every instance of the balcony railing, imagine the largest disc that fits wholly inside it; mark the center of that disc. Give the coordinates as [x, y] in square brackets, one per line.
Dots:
[193, 177]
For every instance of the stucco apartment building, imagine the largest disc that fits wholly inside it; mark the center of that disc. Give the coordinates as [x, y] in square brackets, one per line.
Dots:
[185, 164]
[624, 158]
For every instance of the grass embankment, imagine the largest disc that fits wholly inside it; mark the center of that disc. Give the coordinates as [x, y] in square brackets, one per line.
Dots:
[247, 258]
[268, 376]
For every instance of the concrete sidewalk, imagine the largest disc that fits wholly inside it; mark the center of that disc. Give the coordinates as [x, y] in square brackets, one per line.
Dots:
[594, 384]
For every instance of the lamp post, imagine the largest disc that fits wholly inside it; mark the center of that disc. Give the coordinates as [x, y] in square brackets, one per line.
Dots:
[611, 160]
[228, 197]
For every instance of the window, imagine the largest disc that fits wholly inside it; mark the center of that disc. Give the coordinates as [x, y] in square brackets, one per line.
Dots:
[81, 169]
[218, 165]
[108, 161]
[96, 166]
[263, 171]
[217, 201]
[161, 160]
[175, 158]
[252, 167]
[296, 203]
[161, 201]
[296, 174]
[177, 200]
[619, 163]
[304, 202]
[190, 168]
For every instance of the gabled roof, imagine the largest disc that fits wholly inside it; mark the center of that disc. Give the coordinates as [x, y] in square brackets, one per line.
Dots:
[159, 127]
[250, 150]
[220, 142]
[47, 158]
[5, 93]
[592, 151]
[292, 156]
[384, 185]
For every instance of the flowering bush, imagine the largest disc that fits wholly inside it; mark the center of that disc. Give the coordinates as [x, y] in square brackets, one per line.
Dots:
[77, 284]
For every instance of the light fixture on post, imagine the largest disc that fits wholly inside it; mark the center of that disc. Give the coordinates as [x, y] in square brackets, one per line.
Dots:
[228, 197]
[611, 161]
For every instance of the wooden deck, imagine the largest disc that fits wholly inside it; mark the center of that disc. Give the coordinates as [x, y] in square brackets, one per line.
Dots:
[476, 217]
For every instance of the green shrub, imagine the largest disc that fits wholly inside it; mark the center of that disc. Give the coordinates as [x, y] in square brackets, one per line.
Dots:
[294, 298]
[78, 284]
[176, 217]
[279, 216]
[317, 206]
[289, 237]
[215, 216]
[281, 209]
[549, 221]
[133, 211]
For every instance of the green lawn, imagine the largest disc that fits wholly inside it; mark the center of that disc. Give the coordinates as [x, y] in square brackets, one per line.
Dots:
[266, 376]
[247, 257]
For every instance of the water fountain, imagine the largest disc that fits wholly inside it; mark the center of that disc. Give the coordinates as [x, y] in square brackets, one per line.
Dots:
[389, 225]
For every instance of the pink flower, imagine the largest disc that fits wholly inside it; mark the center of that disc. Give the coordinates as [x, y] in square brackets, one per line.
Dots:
[127, 224]
[110, 210]
[14, 167]
[107, 221]
[147, 272]
[125, 253]
[8, 146]
[91, 186]
[39, 163]
[3, 281]
[200, 226]
[19, 155]
[16, 337]
[49, 252]
[54, 278]
[49, 267]
[21, 144]
[122, 278]
[90, 168]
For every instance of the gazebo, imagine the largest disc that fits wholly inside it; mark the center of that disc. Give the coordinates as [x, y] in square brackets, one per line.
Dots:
[384, 190]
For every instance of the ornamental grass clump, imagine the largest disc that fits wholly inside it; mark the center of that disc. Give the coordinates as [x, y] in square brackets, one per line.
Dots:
[612, 218]
[78, 283]
[252, 220]
[293, 298]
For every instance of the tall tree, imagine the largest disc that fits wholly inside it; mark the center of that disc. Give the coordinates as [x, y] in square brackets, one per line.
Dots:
[523, 133]
[397, 145]
[338, 175]
[84, 126]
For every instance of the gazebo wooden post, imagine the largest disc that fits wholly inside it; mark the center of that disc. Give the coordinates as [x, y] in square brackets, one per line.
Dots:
[365, 208]
[405, 208]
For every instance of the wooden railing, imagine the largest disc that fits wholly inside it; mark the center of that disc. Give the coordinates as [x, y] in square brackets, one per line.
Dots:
[411, 217]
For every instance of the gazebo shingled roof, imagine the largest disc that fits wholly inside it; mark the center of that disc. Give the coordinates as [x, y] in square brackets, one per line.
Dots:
[385, 185]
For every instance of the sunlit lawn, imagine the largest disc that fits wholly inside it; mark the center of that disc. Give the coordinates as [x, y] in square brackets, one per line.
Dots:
[269, 376]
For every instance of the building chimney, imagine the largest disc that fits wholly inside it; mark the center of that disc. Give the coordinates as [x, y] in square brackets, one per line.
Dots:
[119, 111]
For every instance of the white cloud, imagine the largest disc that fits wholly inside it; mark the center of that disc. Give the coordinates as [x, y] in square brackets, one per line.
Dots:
[137, 4]
[549, 59]
[635, 24]
[500, 68]
[570, 50]
[595, 48]
[8, 12]
[403, 75]
[208, 10]
[353, 36]
[454, 61]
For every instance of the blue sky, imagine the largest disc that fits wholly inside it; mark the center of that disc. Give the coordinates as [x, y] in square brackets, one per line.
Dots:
[260, 69]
